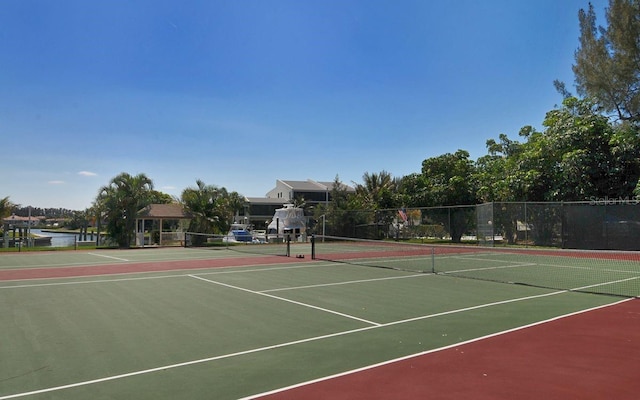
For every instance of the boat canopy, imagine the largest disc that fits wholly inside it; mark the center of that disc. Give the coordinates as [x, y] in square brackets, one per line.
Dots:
[288, 219]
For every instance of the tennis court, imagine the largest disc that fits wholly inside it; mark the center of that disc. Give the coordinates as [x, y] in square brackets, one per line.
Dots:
[200, 324]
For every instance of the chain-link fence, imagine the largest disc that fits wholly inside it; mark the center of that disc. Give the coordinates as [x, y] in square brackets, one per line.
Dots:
[456, 223]
[604, 224]
[529, 224]
[598, 224]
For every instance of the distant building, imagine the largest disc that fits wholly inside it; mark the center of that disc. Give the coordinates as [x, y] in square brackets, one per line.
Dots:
[259, 210]
[166, 224]
[15, 221]
[311, 191]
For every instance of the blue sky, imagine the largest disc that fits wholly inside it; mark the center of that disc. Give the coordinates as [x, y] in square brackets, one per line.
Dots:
[241, 93]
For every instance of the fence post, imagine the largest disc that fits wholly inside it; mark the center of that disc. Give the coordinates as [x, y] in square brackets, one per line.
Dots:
[526, 227]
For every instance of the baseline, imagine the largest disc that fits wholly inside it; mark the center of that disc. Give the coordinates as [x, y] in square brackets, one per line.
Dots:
[547, 359]
[277, 346]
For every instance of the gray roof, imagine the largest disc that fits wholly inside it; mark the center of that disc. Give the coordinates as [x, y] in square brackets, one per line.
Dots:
[304, 185]
[265, 200]
[329, 186]
[311, 185]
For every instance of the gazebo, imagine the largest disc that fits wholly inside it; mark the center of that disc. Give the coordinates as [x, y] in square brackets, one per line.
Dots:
[161, 225]
[19, 224]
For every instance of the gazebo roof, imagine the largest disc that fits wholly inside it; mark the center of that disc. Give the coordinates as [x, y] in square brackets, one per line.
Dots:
[23, 221]
[164, 211]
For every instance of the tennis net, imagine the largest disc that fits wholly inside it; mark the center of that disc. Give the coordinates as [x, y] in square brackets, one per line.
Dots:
[374, 253]
[601, 272]
[221, 242]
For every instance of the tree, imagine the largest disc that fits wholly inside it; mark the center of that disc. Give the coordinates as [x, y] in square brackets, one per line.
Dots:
[409, 190]
[578, 156]
[449, 179]
[607, 63]
[625, 147]
[494, 174]
[378, 191]
[79, 220]
[501, 179]
[156, 197]
[445, 180]
[578, 145]
[341, 215]
[213, 208]
[119, 203]
[6, 206]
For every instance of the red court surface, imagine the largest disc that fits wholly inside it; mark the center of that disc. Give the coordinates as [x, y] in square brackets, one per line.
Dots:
[592, 355]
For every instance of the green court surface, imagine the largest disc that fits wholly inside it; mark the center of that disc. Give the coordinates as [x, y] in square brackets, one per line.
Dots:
[229, 333]
[101, 257]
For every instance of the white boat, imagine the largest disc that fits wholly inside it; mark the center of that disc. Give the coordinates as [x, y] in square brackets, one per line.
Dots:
[288, 220]
[239, 233]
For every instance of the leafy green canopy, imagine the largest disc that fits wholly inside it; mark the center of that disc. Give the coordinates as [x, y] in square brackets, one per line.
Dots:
[607, 64]
[119, 202]
[5, 207]
[580, 155]
[212, 207]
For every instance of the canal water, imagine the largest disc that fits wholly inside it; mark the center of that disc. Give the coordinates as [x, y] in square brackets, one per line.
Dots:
[59, 239]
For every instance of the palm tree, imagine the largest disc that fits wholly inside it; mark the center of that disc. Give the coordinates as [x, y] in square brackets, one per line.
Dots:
[120, 201]
[5, 210]
[213, 207]
[200, 202]
[5, 207]
[378, 191]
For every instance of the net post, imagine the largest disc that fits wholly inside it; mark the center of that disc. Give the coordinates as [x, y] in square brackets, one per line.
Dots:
[433, 260]
[288, 245]
[313, 246]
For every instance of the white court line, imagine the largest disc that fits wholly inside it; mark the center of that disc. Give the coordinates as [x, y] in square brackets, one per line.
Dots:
[410, 356]
[535, 264]
[34, 285]
[596, 269]
[107, 280]
[287, 344]
[51, 265]
[581, 267]
[487, 268]
[312, 339]
[288, 300]
[343, 283]
[142, 278]
[474, 258]
[606, 283]
[111, 257]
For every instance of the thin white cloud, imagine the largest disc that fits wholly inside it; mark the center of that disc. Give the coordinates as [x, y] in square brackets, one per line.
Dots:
[168, 188]
[87, 173]
[56, 182]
